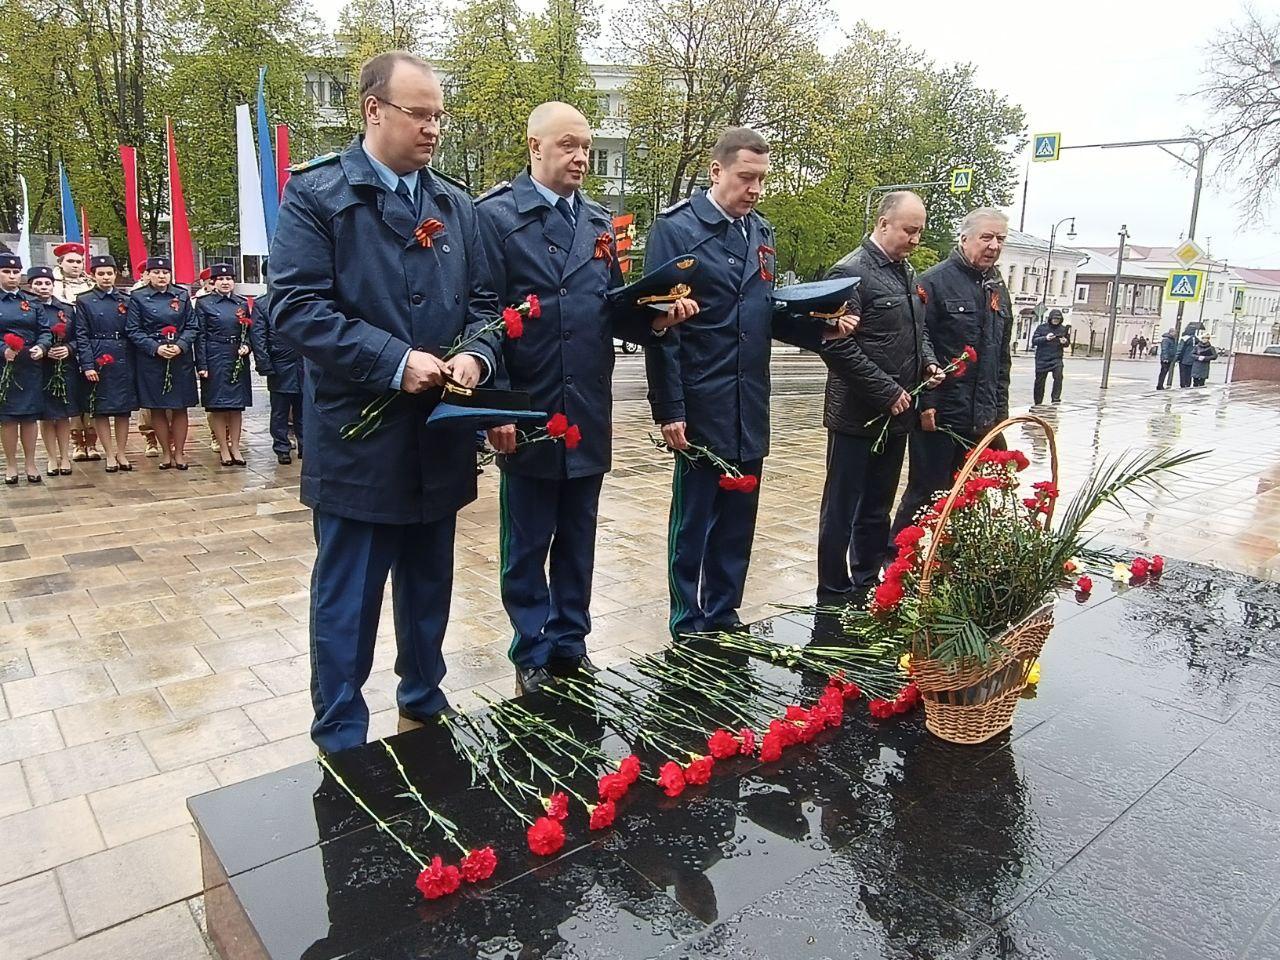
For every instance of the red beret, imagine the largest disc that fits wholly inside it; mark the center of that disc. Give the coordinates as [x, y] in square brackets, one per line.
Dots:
[204, 274]
[62, 249]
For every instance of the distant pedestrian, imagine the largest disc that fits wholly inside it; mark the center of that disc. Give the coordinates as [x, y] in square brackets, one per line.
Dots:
[1133, 347]
[1202, 354]
[1142, 347]
[1049, 340]
[1168, 359]
[1186, 352]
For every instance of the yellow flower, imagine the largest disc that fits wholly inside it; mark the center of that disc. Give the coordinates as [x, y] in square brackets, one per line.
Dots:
[904, 663]
[1121, 573]
[1033, 676]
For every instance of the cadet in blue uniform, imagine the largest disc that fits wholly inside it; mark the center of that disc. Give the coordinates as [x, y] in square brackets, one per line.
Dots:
[542, 236]
[105, 357]
[282, 367]
[373, 296]
[23, 400]
[230, 329]
[164, 359]
[60, 363]
[709, 378]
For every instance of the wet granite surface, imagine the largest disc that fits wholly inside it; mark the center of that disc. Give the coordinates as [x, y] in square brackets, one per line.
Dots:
[1131, 812]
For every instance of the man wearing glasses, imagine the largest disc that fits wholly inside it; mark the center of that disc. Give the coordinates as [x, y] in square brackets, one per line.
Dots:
[376, 270]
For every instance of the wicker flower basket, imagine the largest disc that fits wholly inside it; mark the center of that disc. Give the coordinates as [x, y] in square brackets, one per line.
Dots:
[971, 701]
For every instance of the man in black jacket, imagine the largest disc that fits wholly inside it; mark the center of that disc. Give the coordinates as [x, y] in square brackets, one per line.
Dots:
[868, 411]
[1049, 339]
[966, 304]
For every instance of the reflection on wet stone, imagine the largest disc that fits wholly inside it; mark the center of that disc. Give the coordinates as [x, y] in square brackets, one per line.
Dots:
[1130, 812]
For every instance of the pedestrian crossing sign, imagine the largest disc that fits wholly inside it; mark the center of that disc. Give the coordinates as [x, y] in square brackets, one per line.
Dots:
[962, 180]
[1184, 285]
[1237, 300]
[1046, 146]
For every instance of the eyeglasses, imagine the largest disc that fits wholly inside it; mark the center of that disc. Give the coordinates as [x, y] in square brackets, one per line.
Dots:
[420, 116]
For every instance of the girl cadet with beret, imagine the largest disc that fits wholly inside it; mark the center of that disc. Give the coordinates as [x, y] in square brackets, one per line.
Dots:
[230, 329]
[62, 378]
[26, 338]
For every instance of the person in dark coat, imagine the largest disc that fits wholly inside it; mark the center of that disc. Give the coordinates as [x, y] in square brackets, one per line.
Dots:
[1186, 352]
[105, 357]
[709, 378]
[26, 338]
[1049, 339]
[543, 236]
[1202, 354]
[162, 328]
[966, 304]
[869, 376]
[282, 367]
[374, 296]
[61, 377]
[1168, 359]
[229, 330]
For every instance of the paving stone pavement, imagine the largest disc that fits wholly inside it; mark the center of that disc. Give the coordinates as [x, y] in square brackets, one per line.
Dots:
[153, 626]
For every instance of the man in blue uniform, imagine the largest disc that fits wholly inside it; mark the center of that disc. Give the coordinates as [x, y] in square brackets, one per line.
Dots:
[282, 367]
[543, 236]
[373, 295]
[709, 378]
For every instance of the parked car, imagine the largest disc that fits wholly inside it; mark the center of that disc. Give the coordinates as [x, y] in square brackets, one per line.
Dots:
[1272, 349]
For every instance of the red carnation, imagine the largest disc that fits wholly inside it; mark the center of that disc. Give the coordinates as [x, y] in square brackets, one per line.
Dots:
[245, 321]
[889, 594]
[572, 437]
[613, 786]
[14, 342]
[602, 815]
[880, 708]
[1019, 459]
[438, 879]
[169, 331]
[1140, 567]
[1157, 565]
[970, 354]
[671, 779]
[748, 483]
[545, 836]
[1084, 584]
[24, 306]
[771, 748]
[629, 768]
[959, 368]
[122, 309]
[748, 738]
[60, 329]
[558, 425]
[728, 482]
[909, 536]
[105, 360]
[175, 305]
[698, 772]
[535, 306]
[722, 745]
[797, 713]
[1046, 488]
[557, 805]
[513, 322]
[479, 865]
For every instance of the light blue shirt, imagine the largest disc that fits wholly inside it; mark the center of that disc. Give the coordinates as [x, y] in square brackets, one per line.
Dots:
[410, 180]
[739, 222]
[551, 196]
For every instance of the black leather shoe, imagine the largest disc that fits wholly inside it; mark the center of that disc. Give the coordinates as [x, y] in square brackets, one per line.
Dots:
[569, 666]
[283, 459]
[531, 680]
[447, 712]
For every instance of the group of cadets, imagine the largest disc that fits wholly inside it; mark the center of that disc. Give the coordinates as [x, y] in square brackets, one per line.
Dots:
[93, 354]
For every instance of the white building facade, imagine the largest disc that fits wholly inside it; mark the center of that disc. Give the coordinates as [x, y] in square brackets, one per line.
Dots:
[1034, 277]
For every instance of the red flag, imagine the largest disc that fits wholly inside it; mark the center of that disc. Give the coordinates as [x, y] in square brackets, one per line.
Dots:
[282, 157]
[184, 261]
[133, 226]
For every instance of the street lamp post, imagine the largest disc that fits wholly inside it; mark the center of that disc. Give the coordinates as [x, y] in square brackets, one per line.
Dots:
[1115, 303]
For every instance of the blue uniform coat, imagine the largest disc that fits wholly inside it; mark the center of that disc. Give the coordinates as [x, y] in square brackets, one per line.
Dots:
[218, 347]
[279, 363]
[353, 290]
[99, 331]
[23, 315]
[55, 311]
[713, 370]
[564, 359]
[150, 311]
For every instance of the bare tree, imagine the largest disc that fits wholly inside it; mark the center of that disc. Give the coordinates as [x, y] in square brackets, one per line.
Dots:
[1242, 93]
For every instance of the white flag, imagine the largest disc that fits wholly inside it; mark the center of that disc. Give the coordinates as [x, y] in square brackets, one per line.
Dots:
[253, 222]
[24, 227]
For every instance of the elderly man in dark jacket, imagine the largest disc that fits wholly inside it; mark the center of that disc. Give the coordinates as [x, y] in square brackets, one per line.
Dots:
[966, 305]
[1049, 338]
[1168, 358]
[868, 379]
[376, 310]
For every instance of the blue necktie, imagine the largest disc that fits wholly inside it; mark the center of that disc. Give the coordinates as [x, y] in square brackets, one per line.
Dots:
[566, 211]
[402, 191]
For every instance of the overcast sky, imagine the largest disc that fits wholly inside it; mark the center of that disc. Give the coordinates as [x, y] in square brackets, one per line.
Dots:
[1096, 70]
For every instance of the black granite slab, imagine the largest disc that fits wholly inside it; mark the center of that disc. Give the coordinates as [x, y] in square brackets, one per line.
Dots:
[1130, 812]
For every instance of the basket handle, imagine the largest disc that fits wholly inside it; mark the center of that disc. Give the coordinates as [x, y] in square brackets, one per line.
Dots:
[967, 469]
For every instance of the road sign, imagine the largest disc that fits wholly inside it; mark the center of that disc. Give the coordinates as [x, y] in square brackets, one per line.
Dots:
[962, 180]
[1184, 285]
[1188, 253]
[1237, 300]
[1045, 146]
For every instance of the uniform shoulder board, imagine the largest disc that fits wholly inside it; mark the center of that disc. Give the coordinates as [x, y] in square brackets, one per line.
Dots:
[674, 207]
[497, 188]
[314, 162]
[452, 180]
